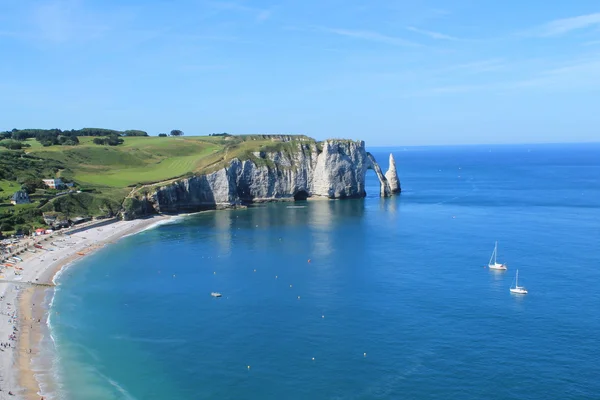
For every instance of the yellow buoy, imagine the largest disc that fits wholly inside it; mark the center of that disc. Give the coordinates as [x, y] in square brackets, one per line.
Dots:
[248, 367]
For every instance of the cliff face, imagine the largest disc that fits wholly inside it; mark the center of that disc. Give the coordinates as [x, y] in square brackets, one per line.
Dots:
[337, 170]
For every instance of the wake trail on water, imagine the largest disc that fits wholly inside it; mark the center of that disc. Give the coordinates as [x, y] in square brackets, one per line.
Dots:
[147, 340]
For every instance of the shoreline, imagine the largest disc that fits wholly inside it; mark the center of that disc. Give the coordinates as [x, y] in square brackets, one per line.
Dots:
[24, 309]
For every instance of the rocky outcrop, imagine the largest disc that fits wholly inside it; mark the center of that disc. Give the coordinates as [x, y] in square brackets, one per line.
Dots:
[392, 176]
[331, 169]
[340, 170]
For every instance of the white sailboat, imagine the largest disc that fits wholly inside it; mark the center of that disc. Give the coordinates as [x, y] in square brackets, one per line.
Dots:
[518, 289]
[493, 264]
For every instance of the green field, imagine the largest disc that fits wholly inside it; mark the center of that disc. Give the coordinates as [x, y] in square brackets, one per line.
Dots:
[8, 188]
[138, 160]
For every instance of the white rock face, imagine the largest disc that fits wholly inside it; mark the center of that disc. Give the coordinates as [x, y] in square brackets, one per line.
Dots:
[340, 170]
[392, 176]
[336, 171]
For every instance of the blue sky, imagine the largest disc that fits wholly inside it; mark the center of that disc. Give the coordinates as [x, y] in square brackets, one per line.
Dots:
[389, 72]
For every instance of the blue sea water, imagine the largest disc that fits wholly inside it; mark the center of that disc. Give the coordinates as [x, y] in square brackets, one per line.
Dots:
[394, 304]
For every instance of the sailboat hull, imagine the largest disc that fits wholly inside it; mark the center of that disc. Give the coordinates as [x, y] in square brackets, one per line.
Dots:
[518, 290]
[498, 267]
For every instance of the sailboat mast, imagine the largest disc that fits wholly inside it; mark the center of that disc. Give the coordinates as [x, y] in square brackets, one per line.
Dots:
[495, 253]
[517, 280]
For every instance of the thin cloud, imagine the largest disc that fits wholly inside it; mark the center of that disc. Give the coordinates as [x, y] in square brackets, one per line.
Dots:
[229, 5]
[64, 22]
[452, 89]
[261, 14]
[431, 34]
[563, 26]
[264, 15]
[494, 64]
[582, 74]
[578, 76]
[372, 36]
[201, 67]
[440, 11]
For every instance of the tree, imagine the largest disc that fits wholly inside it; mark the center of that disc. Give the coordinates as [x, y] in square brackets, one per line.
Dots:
[162, 135]
[176, 132]
[135, 132]
[30, 184]
[13, 144]
[112, 140]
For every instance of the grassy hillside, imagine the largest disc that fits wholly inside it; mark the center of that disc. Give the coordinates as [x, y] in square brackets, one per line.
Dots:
[105, 175]
[137, 160]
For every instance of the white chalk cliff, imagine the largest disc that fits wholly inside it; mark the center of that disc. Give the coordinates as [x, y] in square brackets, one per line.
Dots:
[333, 169]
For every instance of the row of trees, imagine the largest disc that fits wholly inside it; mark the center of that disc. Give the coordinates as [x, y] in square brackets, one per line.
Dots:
[14, 139]
[174, 132]
[50, 137]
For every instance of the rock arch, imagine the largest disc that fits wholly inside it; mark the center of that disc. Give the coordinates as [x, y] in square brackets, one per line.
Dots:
[384, 186]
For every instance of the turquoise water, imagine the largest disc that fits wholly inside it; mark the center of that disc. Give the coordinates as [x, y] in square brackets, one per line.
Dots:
[395, 302]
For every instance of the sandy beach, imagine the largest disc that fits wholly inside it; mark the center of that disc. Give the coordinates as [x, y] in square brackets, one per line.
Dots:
[23, 313]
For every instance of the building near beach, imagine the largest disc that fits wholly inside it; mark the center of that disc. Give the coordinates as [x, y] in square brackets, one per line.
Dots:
[20, 197]
[55, 220]
[53, 183]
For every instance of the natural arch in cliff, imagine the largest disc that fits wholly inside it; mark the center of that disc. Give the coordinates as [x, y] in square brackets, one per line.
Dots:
[301, 195]
[384, 187]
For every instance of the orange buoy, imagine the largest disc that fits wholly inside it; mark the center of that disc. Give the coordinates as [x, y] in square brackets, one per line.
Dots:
[309, 260]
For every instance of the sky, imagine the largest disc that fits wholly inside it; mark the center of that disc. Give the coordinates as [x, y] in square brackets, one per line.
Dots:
[384, 71]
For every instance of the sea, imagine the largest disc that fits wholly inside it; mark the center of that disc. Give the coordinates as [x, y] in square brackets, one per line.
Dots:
[375, 298]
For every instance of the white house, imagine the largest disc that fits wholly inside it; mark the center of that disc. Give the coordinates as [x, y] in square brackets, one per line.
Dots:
[53, 183]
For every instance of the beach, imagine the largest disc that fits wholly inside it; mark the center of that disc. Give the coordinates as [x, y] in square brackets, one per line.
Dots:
[23, 288]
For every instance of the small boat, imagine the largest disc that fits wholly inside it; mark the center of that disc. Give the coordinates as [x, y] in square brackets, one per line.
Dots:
[495, 265]
[518, 289]
[216, 294]
[17, 258]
